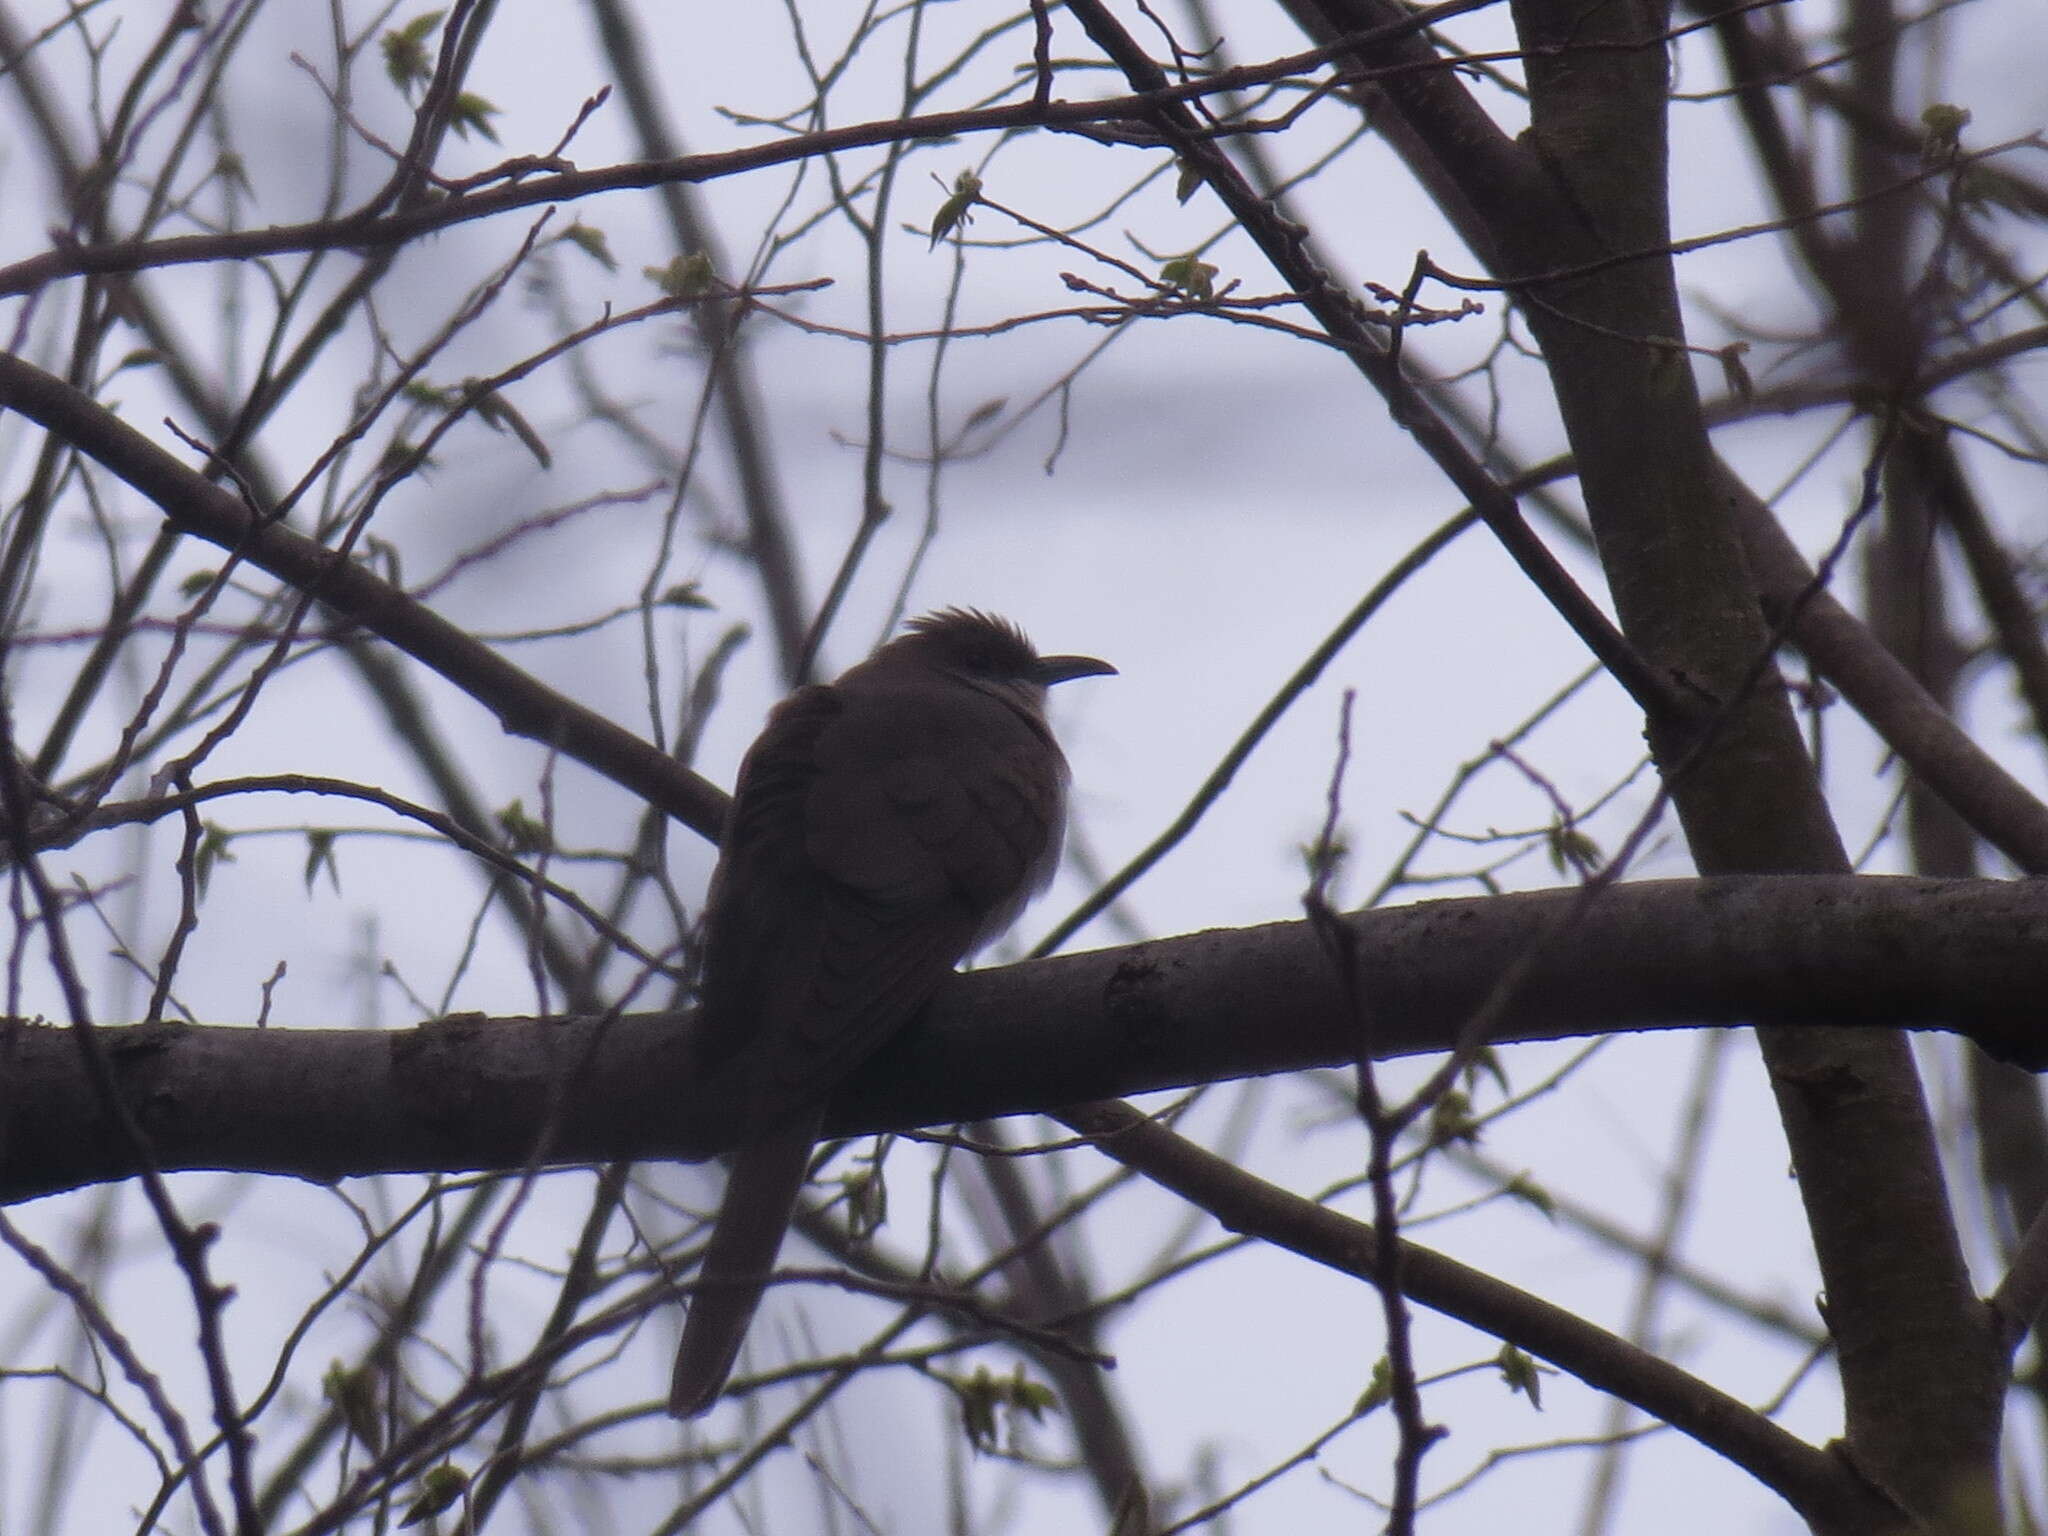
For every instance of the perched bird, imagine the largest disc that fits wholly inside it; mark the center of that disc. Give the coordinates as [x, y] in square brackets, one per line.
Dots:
[884, 826]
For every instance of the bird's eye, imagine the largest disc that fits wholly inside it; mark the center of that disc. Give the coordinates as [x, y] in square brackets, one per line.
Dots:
[984, 661]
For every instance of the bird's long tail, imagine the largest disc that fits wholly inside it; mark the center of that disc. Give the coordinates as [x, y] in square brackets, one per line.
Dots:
[760, 1193]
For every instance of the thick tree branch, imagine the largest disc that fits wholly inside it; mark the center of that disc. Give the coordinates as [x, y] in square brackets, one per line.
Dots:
[1997, 806]
[470, 1092]
[1920, 1369]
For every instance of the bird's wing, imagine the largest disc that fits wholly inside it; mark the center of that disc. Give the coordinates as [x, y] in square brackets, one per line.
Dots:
[965, 811]
[874, 840]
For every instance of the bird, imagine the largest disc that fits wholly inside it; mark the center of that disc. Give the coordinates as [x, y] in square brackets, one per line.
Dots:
[883, 827]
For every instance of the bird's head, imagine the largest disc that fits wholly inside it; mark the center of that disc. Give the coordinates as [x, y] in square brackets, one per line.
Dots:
[991, 652]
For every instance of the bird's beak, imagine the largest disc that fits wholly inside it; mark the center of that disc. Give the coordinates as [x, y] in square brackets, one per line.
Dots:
[1064, 669]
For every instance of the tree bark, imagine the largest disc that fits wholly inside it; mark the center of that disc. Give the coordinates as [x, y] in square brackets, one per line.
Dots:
[470, 1092]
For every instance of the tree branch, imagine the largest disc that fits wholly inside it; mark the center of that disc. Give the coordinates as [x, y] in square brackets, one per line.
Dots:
[1821, 1488]
[195, 505]
[472, 1092]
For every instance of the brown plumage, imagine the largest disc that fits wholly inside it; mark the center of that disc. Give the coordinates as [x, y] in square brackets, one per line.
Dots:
[884, 826]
